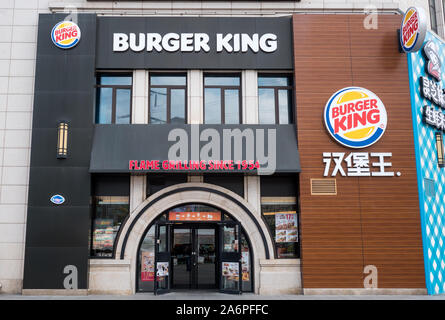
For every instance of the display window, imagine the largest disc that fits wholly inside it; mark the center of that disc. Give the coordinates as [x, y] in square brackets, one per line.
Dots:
[109, 214]
[281, 216]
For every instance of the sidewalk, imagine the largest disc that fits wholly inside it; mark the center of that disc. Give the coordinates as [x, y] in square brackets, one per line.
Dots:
[199, 295]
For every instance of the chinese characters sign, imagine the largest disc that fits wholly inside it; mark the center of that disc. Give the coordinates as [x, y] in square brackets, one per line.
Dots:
[432, 91]
[194, 216]
[358, 164]
[436, 118]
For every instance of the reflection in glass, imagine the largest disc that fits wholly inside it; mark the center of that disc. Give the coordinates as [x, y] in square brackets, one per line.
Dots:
[158, 105]
[206, 257]
[163, 239]
[274, 81]
[221, 81]
[115, 80]
[105, 105]
[109, 214]
[212, 107]
[230, 238]
[177, 106]
[284, 106]
[231, 102]
[266, 106]
[123, 102]
[168, 80]
[182, 257]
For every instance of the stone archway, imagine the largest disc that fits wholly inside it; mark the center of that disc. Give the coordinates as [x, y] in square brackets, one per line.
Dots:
[140, 219]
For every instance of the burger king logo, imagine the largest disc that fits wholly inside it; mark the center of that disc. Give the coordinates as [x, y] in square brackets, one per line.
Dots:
[65, 34]
[355, 117]
[413, 29]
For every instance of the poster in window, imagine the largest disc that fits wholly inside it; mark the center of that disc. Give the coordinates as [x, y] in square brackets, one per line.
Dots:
[230, 270]
[162, 269]
[103, 235]
[245, 265]
[147, 266]
[286, 227]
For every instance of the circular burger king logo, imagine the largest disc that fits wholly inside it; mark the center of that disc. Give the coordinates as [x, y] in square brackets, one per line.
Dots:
[413, 29]
[65, 34]
[355, 117]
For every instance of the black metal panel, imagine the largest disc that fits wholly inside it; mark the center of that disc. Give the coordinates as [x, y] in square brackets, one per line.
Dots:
[71, 182]
[234, 182]
[111, 184]
[279, 186]
[46, 140]
[280, 59]
[58, 235]
[67, 224]
[157, 182]
[44, 266]
[115, 145]
[55, 105]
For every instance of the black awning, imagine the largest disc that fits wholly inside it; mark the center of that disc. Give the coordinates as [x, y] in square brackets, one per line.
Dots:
[139, 147]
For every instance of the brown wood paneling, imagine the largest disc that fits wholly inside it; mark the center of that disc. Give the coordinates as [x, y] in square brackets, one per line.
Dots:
[372, 220]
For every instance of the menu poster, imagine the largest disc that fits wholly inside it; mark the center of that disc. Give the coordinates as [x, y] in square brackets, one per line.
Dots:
[286, 227]
[147, 266]
[230, 270]
[245, 265]
[104, 233]
[162, 269]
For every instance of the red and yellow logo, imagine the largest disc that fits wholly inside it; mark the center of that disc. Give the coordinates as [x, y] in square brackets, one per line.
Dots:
[413, 29]
[355, 117]
[65, 34]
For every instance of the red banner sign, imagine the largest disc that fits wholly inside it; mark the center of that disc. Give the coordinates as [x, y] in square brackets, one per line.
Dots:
[194, 216]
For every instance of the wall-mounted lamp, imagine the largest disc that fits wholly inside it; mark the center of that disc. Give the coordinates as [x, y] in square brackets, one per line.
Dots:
[440, 150]
[62, 140]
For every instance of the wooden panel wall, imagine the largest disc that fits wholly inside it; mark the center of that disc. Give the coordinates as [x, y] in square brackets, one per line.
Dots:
[372, 220]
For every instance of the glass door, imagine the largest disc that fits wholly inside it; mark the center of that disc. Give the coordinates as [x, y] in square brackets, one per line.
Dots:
[182, 259]
[205, 258]
[230, 258]
[162, 258]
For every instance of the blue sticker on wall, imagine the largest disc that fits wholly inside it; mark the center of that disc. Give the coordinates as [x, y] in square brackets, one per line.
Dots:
[57, 199]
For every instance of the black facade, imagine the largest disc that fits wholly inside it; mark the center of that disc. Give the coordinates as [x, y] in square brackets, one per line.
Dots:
[58, 235]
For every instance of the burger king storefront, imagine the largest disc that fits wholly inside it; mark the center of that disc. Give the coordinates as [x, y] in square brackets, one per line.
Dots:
[227, 154]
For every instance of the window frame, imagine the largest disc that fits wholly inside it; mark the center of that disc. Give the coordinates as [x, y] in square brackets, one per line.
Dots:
[113, 94]
[276, 97]
[223, 88]
[433, 15]
[169, 88]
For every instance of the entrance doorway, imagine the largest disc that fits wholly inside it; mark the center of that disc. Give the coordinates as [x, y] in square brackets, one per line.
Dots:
[193, 255]
[195, 247]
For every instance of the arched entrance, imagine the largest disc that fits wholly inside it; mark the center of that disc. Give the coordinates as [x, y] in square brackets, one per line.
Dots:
[135, 228]
[194, 246]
